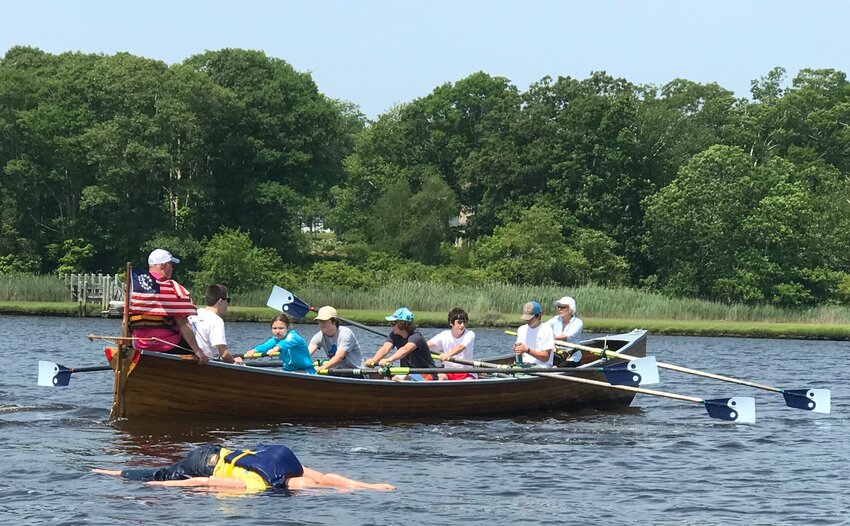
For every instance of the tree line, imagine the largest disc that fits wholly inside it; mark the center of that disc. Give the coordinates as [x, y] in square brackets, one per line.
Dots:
[223, 158]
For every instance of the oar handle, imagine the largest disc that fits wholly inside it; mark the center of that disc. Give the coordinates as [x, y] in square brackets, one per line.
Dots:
[264, 355]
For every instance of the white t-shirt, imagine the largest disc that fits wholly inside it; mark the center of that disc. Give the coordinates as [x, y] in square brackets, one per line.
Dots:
[209, 331]
[537, 339]
[445, 342]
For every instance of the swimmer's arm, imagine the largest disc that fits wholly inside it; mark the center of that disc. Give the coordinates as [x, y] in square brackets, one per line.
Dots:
[110, 472]
[212, 482]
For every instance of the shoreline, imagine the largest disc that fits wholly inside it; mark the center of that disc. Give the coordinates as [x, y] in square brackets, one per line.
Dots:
[713, 328]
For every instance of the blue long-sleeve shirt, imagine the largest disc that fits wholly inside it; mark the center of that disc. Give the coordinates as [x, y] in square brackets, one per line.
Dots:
[293, 352]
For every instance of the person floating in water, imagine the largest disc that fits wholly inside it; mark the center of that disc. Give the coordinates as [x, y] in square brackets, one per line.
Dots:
[262, 467]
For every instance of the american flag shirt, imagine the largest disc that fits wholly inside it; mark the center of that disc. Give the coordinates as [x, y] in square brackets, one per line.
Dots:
[159, 297]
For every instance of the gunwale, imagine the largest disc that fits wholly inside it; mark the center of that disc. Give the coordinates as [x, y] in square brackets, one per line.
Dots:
[165, 386]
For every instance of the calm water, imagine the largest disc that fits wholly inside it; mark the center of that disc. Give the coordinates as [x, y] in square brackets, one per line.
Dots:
[659, 462]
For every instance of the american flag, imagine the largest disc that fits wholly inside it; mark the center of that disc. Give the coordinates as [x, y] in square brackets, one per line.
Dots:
[155, 297]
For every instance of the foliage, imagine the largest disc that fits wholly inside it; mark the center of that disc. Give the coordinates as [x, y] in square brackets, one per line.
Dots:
[186, 249]
[13, 263]
[231, 259]
[413, 224]
[119, 150]
[530, 250]
[681, 188]
[73, 256]
[340, 275]
[454, 275]
[756, 231]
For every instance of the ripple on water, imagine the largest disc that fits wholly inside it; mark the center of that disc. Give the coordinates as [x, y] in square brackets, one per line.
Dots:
[660, 462]
[21, 408]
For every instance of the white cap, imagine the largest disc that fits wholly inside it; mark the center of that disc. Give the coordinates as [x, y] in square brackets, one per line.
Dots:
[325, 313]
[566, 301]
[160, 256]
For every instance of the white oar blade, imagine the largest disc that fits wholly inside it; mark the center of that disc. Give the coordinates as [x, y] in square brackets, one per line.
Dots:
[279, 297]
[638, 371]
[740, 409]
[47, 372]
[814, 400]
[746, 407]
[647, 368]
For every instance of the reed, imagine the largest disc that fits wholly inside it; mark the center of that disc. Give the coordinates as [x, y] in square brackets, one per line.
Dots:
[490, 302]
[593, 302]
[32, 287]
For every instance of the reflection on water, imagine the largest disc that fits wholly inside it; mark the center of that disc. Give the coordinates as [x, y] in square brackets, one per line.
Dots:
[659, 462]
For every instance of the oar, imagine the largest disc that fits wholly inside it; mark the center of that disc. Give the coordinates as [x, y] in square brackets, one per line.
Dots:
[739, 409]
[270, 354]
[52, 374]
[287, 302]
[644, 371]
[616, 373]
[815, 400]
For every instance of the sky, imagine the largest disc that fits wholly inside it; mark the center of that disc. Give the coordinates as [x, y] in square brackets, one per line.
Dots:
[378, 53]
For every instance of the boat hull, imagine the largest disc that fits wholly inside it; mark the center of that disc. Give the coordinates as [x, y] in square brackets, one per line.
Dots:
[165, 386]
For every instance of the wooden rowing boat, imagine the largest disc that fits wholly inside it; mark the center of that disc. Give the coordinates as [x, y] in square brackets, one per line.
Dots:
[166, 386]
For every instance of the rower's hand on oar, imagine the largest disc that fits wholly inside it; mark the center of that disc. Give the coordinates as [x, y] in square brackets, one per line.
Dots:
[250, 355]
[520, 348]
[203, 359]
[384, 363]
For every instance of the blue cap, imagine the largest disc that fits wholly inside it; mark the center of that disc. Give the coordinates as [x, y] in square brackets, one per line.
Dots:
[530, 310]
[402, 314]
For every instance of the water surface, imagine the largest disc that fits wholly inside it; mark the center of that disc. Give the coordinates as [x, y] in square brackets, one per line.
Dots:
[659, 462]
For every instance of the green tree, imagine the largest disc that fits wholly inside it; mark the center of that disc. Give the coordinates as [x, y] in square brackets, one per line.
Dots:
[531, 250]
[436, 135]
[694, 222]
[287, 141]
[413, 224]
[732, 230]
[231, 258]
[340, 275]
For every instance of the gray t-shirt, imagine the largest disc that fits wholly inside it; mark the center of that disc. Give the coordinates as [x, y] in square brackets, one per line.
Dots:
[343, 339]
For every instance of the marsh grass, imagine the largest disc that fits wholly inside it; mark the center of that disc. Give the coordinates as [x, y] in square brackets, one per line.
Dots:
[493, 304]
[30, 287]
[495, 300]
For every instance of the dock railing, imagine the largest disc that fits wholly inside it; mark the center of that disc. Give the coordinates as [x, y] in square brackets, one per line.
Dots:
[95, 288]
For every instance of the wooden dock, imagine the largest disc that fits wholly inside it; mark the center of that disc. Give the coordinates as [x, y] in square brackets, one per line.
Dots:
[106, 289]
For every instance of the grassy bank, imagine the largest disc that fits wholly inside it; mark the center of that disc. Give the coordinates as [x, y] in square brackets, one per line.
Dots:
[754, 329]
[496, 300]
[603, 310]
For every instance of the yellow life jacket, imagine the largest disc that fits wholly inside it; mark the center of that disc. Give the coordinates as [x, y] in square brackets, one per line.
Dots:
[253, 481]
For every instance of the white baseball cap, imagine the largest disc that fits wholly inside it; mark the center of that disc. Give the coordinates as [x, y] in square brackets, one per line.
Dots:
[566, 301]
[160, 256]
[325, 313]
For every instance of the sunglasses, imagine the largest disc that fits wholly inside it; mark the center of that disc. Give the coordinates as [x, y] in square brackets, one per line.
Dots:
[227, 299]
